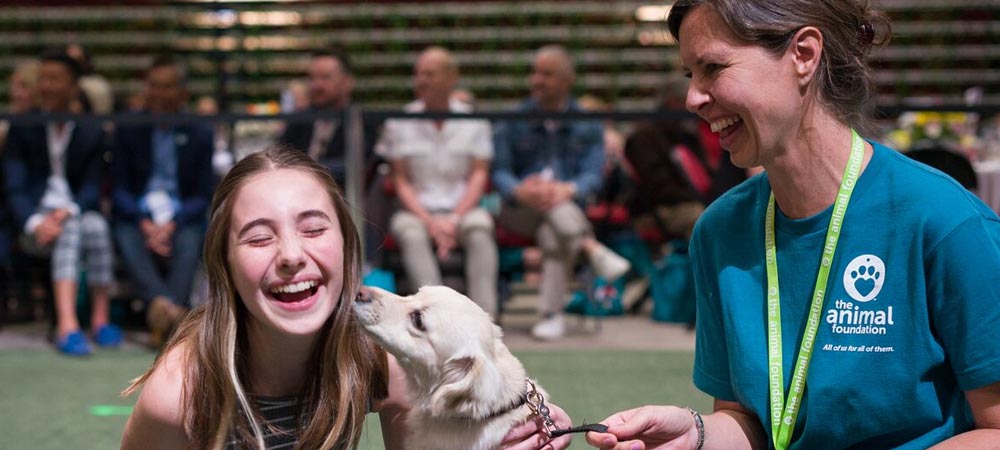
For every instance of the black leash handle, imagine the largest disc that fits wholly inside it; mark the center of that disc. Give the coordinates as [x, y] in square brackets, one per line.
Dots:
[598, 427]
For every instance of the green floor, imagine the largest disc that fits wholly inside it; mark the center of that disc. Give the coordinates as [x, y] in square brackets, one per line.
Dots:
[51, 402]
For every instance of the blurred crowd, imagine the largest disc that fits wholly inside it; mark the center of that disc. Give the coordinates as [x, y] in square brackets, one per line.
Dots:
[119, 209]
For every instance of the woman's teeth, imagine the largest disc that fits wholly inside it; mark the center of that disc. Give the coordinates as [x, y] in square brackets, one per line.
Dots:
[722, 124]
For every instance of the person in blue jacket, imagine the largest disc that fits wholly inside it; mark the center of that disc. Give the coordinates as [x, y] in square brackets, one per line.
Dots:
[884, 331]
[545, 170]
[163, 183]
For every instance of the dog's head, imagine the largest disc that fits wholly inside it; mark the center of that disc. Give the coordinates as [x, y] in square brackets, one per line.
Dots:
[452, 352]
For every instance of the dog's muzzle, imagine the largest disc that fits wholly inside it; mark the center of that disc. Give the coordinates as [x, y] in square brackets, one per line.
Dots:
[366, 309]
[365, 295]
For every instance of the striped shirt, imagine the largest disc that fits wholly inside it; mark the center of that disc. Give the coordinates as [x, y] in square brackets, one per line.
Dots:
[280, 425]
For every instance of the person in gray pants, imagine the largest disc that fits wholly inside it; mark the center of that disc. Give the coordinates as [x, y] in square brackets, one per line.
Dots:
[440, 170]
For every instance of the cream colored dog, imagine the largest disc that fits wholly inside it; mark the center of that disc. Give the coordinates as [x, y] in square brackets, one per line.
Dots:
[467, 389]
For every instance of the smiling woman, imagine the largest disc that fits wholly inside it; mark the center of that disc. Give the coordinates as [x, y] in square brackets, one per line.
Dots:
[786, 85]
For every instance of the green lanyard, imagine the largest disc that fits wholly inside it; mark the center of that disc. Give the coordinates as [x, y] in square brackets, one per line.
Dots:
[783, 420]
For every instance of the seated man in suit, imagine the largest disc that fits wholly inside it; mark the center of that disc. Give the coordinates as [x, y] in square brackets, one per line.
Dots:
[331, 81]
[163, 183]
[23, 90]
[53, 174]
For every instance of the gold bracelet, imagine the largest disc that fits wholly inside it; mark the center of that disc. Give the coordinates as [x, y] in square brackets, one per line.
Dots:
[700, 425]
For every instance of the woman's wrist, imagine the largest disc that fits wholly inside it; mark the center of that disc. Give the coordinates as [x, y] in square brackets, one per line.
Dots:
[699, 426]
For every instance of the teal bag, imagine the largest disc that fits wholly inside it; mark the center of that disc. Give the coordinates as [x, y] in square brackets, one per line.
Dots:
[601, 299]
[380, 278]
[671, 284]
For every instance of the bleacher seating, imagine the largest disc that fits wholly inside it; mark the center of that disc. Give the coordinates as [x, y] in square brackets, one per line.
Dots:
[940, 47]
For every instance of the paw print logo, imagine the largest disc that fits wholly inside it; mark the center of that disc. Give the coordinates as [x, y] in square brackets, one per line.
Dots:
[863, 277]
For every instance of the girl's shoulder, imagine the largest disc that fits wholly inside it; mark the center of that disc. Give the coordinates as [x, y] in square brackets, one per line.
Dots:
[166, 383]
[158, 415]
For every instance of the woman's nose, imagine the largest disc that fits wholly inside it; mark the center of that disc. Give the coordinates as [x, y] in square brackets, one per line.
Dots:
[696, 97]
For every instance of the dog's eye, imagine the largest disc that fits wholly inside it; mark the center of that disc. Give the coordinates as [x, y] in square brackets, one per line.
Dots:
[417, 317]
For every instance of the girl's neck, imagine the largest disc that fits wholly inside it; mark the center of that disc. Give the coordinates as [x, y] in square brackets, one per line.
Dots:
[279, 364]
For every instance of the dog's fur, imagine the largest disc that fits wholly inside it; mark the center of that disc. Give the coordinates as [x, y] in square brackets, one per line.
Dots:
[459, 373]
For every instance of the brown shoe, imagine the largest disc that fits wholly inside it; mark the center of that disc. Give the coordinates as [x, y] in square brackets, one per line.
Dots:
[162, 316]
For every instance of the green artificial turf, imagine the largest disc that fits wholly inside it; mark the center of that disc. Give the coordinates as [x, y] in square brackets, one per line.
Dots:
[52, 402]
[47, 398]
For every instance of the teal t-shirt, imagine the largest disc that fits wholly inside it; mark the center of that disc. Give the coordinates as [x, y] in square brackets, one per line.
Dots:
[910, 320]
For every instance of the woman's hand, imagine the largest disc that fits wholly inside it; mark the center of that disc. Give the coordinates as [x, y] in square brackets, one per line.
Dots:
[531, 434]
[649, 428]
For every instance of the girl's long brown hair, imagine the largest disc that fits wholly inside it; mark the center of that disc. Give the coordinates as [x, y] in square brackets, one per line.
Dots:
[348, 369]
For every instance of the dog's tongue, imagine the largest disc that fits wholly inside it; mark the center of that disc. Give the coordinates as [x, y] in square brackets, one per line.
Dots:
[294, 297]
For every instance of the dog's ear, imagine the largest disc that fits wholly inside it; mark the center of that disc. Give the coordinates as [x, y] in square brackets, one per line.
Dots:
[456, 387]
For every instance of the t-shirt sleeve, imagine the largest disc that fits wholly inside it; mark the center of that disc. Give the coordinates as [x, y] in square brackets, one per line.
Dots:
[482, 147]
[393, 140]
[711, 356]
[963, 290]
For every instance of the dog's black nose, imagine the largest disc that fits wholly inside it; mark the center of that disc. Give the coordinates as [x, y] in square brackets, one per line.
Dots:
[365, 295]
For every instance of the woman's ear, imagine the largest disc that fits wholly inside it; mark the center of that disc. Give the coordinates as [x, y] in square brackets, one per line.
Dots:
[806, 50]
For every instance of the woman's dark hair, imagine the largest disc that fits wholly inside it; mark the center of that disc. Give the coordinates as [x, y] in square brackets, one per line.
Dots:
[850, 29]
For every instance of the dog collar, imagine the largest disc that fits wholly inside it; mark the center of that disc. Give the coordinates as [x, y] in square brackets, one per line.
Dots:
[517, 403]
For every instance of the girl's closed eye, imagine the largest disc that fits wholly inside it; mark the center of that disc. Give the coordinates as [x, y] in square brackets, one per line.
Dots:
[314, 227]
[258, 240]
[315, 231]
[314, 223]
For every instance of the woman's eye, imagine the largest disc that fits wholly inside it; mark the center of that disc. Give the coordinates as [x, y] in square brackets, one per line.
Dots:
[417, 318]
[713, 68]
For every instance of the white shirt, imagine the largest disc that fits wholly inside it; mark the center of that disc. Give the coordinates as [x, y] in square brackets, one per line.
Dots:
[57, 192]
[439, 160]
[322, 134]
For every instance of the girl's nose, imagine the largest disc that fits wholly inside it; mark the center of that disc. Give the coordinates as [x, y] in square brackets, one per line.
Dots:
[292, 258]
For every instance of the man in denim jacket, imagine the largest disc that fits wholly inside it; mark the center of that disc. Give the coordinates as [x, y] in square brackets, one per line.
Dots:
[545, 169]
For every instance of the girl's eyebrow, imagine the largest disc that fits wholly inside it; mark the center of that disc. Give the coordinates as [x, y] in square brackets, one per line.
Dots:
[253, 223]
[313, 213]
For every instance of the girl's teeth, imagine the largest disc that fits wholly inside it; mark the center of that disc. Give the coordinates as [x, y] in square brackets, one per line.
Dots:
[293, 288]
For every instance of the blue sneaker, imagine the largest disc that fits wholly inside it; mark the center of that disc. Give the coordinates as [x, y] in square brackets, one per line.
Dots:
[108, 335]
[73, 344]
